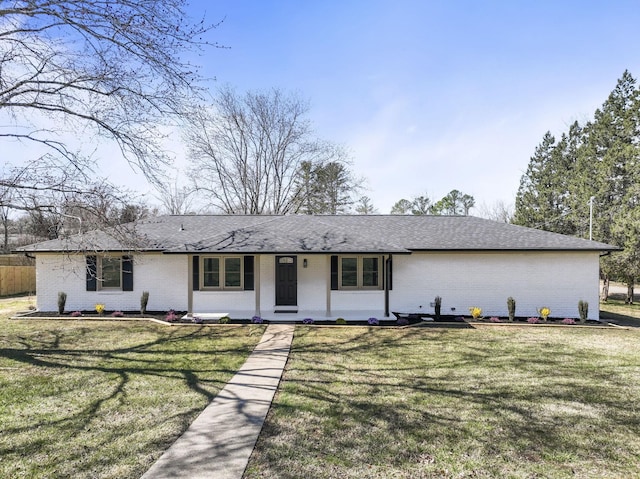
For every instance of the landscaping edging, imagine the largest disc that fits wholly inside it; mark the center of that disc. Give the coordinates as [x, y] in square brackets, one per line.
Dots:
[130, 316]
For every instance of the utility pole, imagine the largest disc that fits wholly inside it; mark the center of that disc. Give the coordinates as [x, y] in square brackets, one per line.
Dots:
[591, 218]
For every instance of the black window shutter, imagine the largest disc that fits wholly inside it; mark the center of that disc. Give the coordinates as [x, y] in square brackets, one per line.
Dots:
[249, 273]
[127, 273]
[334, 272]
[196, 273]
[92, 273]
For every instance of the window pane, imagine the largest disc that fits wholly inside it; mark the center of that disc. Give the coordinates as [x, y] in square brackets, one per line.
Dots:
[350, 272]
[111, 274]
[232, 269]
[370, 272]
[211, 271]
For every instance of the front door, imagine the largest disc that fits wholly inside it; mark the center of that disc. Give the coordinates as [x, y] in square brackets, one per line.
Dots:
[286, 281]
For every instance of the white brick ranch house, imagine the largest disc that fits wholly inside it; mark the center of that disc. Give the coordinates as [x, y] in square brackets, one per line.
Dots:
[321, 267]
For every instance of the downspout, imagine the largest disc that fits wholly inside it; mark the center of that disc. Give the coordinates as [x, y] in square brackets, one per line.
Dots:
[387, 267]
[190, 285]
[328, 288]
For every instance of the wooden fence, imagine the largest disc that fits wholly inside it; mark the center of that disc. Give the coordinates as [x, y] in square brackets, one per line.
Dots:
[16, 260]
[17, 279]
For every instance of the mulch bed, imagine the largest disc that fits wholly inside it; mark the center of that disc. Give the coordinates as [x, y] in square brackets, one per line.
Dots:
[406, 320]
[161, 316]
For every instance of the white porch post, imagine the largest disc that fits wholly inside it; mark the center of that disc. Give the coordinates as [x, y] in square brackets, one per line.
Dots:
[256, 279]
[190, 284]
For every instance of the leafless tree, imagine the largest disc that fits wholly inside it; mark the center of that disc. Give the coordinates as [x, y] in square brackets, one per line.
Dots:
[247, 150]
[76, 73]
[497, 211]
[175, 199]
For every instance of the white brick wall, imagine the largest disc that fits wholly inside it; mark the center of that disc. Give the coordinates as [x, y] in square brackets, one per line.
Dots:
[534, 279]
[237, 304]
[486, 280]
[312, 282]
[159, 274]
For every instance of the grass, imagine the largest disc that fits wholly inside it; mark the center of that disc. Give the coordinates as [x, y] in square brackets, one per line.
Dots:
[513, 402]
[621, 313]
[12, 304]
[104, 399]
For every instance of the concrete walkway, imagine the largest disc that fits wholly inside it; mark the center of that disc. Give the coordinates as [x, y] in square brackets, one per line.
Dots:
[219, 442]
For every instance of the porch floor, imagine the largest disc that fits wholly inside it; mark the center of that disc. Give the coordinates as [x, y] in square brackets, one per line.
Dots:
[299, 316]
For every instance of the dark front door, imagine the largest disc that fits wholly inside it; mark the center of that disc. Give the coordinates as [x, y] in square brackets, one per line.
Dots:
[286, 281]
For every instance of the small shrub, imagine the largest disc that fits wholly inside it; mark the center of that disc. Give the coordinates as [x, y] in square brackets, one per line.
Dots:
[341, 321]
[494, 319]
[144, 300]
[533, 320]
[307, 321]
[475, 312]
[544, 312]
[568, 321]
[257, 320]
[511, 306]
[76, 314]
[583, 310]
[224, 320]
[438, 306]
[100, 308]
[62, 300]
[402, 322]
[171, 316]
[117, 314]
[373, 321]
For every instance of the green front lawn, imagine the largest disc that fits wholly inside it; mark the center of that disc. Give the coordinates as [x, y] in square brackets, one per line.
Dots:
[513, 402]
[618, 312]
[104, 399]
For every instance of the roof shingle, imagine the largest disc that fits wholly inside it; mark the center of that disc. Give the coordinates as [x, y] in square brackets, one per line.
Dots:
[319, 234]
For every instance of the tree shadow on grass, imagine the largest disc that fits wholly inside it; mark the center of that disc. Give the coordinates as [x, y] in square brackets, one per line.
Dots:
[97, 376]
[488, 401]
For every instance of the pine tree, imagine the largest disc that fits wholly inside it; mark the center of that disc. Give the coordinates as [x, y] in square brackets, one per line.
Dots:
[599, 161]
[537, 196]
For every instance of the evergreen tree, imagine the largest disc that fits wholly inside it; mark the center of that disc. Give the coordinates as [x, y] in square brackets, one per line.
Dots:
[324, 188]
[421, 205]
[598, 162]
[365, 207]
[336, 188]
[307, 188]
[454, 203]
[537, 196]
[401, 207]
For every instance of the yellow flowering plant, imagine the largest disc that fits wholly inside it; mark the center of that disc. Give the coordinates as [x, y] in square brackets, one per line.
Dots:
[544, 312]
[99, 308]
[475, 312]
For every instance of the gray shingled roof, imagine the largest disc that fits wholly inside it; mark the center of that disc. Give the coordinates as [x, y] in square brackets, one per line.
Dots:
[319, 234]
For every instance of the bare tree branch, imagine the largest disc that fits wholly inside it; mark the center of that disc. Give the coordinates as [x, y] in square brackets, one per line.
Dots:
[113, 66]
[248, 151]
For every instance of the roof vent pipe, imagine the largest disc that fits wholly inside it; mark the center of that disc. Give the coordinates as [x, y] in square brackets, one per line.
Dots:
[181, 227]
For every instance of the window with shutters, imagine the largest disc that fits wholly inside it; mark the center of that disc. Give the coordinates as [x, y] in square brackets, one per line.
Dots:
[109, 273]
[222, 272]
[360, 272]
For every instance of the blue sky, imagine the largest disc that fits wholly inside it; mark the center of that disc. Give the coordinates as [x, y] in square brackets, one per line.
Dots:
[430, 96]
